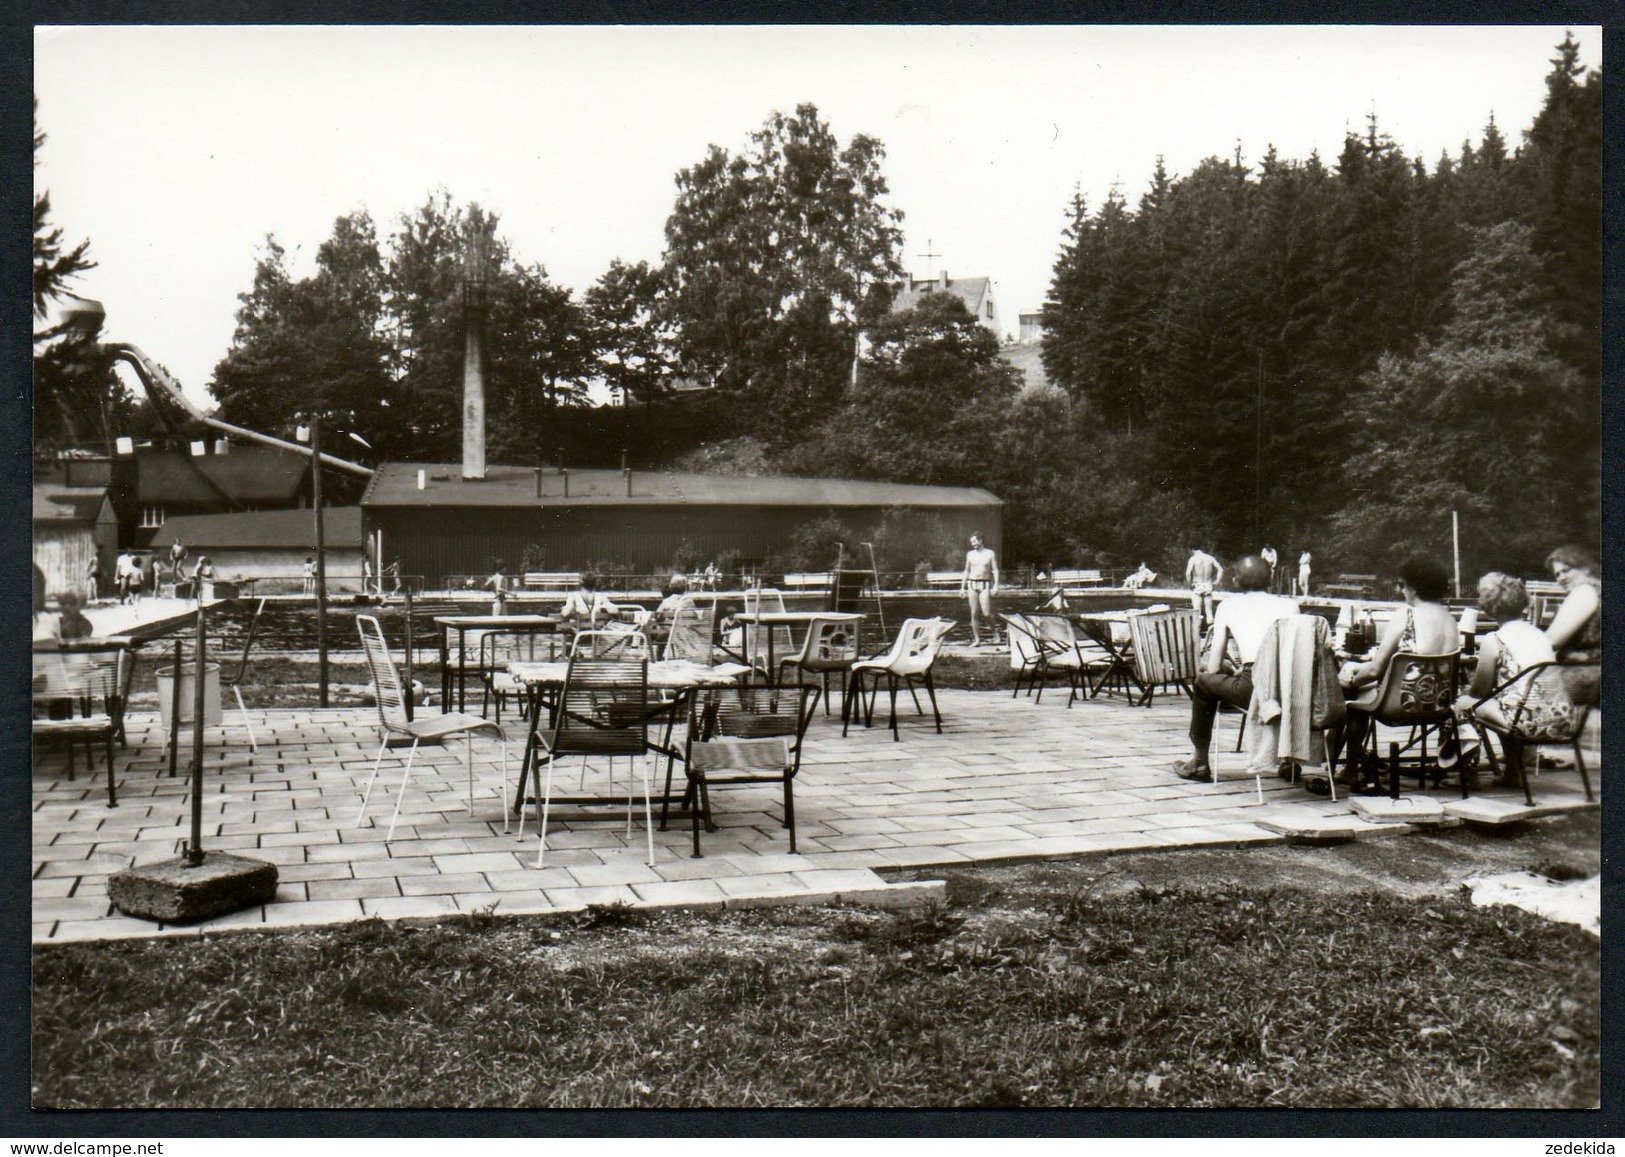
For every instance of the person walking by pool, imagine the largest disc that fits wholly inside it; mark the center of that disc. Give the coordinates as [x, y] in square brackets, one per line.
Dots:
[497, 584]
[310, 575]
[121, 576]
[393, 573]
[1227, 674]
[138, 578]
[93, 578]
[203, 580]
[1202, 574]
[1272, 560]
[979, 584]
[1305, 562]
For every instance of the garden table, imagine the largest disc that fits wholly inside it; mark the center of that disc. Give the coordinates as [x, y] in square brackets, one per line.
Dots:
[680, 676]
[462, 624]
[771, 619]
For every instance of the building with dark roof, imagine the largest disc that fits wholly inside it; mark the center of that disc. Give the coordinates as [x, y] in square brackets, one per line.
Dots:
[439, 523]
[975, 292]
[72, 525]
[273, 544]
[170, 483]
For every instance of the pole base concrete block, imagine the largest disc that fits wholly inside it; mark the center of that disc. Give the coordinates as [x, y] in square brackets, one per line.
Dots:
[173, 893]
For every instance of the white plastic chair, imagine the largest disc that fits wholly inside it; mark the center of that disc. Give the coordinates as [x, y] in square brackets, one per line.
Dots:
[907, 664]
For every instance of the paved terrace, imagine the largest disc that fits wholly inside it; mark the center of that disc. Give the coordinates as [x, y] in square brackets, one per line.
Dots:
[1009, 779]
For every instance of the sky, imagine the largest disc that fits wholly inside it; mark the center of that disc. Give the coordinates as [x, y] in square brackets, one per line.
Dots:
[176, 150]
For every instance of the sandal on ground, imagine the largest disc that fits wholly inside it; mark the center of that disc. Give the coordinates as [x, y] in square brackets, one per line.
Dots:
[1317, 786]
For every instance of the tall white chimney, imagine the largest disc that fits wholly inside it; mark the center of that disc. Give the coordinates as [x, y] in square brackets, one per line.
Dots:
[473, 353]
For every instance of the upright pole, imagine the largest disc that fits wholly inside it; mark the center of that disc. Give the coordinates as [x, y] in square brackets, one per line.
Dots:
[1455, 545]
[321, 558]
[175, 707]
[411, 695]
[194, 847]
[1258, 456]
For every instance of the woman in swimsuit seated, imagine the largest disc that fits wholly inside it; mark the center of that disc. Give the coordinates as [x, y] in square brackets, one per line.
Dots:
[1576, 631]
[1424, 627]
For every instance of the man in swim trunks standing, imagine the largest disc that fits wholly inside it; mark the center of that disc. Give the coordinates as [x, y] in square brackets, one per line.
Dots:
[980, 584]
[1203, 572]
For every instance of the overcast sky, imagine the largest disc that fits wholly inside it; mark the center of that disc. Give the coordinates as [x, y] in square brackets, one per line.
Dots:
[176, 150]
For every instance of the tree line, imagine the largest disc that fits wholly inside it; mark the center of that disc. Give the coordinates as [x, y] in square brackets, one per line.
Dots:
[1333, 356]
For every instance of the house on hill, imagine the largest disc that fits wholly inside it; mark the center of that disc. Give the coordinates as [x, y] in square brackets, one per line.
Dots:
[975, 292]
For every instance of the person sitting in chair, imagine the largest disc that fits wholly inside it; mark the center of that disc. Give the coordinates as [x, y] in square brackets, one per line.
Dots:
[1515, 645]
[1241, 619]
[1139, 578]
[587, 604]
[1576, 631]
[1424, 627]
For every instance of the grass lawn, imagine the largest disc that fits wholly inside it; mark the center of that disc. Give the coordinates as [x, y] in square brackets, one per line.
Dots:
[1312, 978]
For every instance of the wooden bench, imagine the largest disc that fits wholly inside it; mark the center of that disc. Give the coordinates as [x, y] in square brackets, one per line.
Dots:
[1355, 585]
[539, 580]
[1067, 579]
[807, 581]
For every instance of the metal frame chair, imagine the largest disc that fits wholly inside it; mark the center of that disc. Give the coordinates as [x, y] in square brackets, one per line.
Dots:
[235, 679]
[1417, 691]
[1542, 715]
[602, 713]
[390, 695]
[908, 663]
[81, 691]
[765, 600]
[831, 646]
[692, 631]
[629, 645]
[749, 735]
[1076, 657]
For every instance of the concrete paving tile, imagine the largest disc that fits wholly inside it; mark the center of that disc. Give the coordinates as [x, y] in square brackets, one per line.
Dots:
[681, 893]
[312, 912]
[375, 888]
[84, 908]
[529, 879]
[348, 853]
[439, 884]
[406, 907]
[252, 916]
[117, 927]
[837, 879]
[624, 870]
[761, 884]
[523, 903]
[577, 898]
[485, 862]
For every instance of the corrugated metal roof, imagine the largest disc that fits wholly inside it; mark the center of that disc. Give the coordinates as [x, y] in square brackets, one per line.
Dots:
[295, 529]
[395, 484]
[54, 502]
